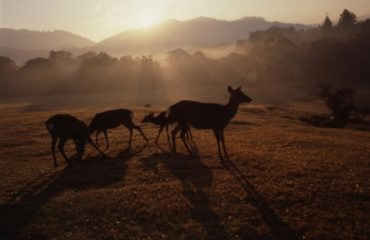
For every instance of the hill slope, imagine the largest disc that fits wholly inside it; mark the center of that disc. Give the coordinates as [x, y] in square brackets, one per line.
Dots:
[179, 34]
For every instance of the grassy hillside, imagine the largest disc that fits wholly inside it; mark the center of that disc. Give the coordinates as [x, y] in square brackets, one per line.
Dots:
[284, 180]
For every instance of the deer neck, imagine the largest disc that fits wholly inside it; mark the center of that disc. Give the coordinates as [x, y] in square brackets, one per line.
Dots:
[232, 108]
[155, 120]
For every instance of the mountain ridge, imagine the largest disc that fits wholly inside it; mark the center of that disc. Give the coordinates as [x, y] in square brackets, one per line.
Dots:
[21, 44]
[200, 31]
[40, 40]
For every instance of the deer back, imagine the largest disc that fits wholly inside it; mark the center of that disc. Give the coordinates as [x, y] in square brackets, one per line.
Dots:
[200, 115]
[67, 126]
[111, 119]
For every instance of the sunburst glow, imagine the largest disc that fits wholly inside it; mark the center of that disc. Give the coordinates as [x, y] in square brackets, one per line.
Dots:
[146, 20]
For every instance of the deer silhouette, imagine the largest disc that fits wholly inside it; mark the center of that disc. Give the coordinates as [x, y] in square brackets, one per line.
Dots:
[113, 119]
[206, 116]
[64, 127]
[163, 120]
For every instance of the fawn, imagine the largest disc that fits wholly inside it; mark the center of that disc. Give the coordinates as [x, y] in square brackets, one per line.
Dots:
[163, 120]
[113, 119]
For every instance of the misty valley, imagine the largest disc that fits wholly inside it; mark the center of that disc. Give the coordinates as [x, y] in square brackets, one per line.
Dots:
[194, 129]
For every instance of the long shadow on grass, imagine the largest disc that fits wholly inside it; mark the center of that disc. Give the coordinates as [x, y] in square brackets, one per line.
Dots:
[277, 226]
[194, 177]
[90, 173]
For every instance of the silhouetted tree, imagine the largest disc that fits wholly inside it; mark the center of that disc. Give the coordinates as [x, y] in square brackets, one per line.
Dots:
[101, 59]
[98, 73]
[178, 55]
[199, 55]
[36, 77]
[340, 103]
[38, 62]
[347, 19]
[8, 70]
[7, 65]
[86, 56]
[327, 24]
[60, 56]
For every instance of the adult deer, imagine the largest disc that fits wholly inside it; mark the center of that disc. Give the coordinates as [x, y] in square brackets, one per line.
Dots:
[113, 119]
[64, 127]
[206, 116]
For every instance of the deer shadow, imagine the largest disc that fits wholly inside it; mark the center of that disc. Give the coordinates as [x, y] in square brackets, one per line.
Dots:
[278, 228]
[91, 173]
[194, 177]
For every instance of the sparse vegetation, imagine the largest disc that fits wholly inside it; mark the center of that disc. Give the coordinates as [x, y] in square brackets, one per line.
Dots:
[285, 180]
[341, 104]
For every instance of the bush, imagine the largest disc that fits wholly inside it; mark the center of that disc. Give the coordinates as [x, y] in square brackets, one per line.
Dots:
[340, 102]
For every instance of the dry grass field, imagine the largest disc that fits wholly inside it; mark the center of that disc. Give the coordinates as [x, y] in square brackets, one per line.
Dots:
[284, 180]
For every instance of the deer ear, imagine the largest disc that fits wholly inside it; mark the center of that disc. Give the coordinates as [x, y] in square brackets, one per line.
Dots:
[230, 89]
[239, 88]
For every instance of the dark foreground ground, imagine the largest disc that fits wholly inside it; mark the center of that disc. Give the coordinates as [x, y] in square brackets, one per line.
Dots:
[284, 180]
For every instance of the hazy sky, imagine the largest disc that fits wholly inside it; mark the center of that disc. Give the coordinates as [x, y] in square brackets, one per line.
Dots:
[98, 19]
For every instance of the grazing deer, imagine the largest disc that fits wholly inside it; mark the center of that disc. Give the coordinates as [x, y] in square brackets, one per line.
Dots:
[206, 116]
[163, 121]
[113, 119]
[64, 127]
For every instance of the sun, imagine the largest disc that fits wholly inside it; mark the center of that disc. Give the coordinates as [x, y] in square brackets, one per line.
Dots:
[146, 20]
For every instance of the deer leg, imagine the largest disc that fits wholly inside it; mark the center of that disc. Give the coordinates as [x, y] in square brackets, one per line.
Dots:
[183, 137]
[168, 136]
[223, 142]
[141, 132]
[189, 137]
[217, 135]
[130, 140]
[89, 140]
[97, 138]
[79, 155]
[187, 134]
[159, 134]
[174, 133]
[106, 139]
[61, 144]
[53, 143]
[80, 149]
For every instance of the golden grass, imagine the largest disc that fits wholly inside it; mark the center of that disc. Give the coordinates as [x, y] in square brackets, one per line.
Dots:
[284, 180]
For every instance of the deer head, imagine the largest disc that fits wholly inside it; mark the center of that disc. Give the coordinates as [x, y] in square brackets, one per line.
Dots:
[237, 96]
[147, 118]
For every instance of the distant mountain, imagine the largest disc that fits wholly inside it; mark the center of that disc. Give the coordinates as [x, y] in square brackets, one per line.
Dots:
[197, 32]
[41, 40]
[22, 45]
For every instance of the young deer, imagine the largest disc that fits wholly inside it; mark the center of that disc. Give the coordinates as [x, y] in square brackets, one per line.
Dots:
[206, 116]
[113, 119]
[64, 127]
[163, 121]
